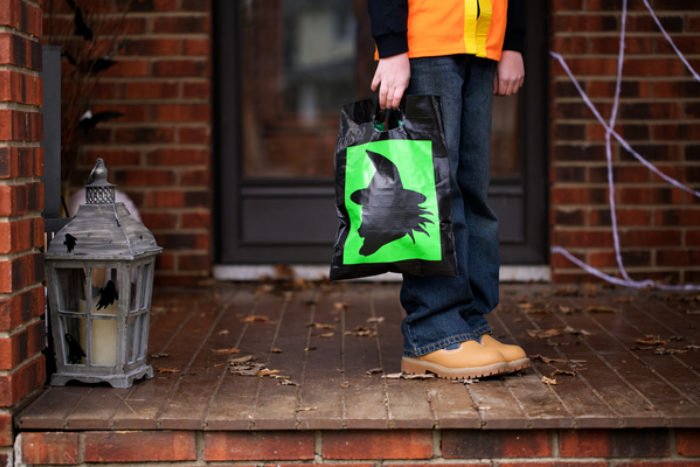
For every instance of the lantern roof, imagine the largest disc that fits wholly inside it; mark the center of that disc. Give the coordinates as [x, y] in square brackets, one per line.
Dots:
[102, 229]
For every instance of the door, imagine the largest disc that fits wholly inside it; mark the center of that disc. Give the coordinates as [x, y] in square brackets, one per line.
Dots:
[283, 69]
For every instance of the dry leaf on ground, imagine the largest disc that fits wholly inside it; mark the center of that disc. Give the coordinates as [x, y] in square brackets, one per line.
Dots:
[229, 351]
[255, 319]
[547, 380]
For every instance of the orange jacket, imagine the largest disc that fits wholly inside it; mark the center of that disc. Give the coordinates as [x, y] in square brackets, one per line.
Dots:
[427, 28]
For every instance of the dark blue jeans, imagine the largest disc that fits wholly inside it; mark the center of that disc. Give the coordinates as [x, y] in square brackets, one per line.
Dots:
[446, 310]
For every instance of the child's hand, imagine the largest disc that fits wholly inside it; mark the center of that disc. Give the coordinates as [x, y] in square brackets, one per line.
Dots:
[391, 78]
[510, 74]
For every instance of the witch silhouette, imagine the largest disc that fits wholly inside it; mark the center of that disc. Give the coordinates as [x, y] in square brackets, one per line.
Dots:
[389, 211]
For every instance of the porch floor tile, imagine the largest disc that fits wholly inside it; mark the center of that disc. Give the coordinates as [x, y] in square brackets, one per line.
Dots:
[331, 355]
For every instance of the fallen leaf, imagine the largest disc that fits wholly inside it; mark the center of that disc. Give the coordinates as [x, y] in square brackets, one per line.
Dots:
[344, 384]
[255, 319]
[375, 319]
[548, 359]
[162, 369]
[231, 350]
[562, 372]
[407, 376]
[576, 332]
[340, 306]
[267, 372]
[276, 350]
[601, 309]
[361, 331]
[160, 355]
[316, 325]
[623, 300]
[326, 335]
[223, 332]
[650, 339]
[568, 291]
[240, 360]
[309, 348]
[547, 380]
[543, 333]
[305, 409]
[373, 371]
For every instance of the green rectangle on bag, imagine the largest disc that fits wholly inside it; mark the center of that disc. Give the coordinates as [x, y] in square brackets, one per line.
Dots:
[391, 202]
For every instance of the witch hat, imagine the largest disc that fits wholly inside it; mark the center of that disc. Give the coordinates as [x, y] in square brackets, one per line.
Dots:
[389, 211]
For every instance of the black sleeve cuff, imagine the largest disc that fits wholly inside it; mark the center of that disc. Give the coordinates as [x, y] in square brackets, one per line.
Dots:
[515, 26]
[391, 44]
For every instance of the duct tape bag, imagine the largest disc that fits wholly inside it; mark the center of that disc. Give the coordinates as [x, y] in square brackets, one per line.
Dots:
[392, 187]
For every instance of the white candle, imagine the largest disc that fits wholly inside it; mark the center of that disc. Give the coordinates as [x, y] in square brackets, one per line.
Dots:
[104, 333]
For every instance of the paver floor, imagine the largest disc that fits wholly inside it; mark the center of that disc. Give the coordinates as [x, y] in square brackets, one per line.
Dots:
[327, 356]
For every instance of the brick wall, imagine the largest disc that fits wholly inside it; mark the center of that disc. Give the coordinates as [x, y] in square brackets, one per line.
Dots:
[21, 200]
[659, 115]
[159, 152]
[361, 448]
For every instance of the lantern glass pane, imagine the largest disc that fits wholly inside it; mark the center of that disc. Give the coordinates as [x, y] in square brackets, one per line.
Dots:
[105, 291]
[70, 290]
[136, 280]
[134, 337]
[74, 340]
[146, 280]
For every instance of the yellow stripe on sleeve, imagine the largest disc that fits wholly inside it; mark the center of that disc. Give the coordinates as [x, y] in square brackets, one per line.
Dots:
[470, 25]
[482, 27]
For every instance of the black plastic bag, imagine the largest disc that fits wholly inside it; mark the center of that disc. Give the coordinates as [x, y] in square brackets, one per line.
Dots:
[392, 191]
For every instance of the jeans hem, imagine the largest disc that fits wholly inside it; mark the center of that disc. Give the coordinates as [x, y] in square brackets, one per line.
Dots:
[447, 341]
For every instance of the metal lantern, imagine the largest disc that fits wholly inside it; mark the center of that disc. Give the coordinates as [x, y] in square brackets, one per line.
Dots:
[99, 271]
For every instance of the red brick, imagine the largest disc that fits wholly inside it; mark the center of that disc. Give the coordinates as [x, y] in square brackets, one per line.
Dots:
[195, 220]
[21, 345]
[21, 162]
[624, 443]
[194, 262]
[467, 444]
[182, 68]
[582, 238]
[554, 464]
[6, 435]
[375, 444]
[583, 23]
[200, 47]
[23, 381]
[199, 178]
[183, 157]
[21, 272]
[258, 446]
[195, 135]
[650, 238]
[178, 24]
[183, 113]
[21, 235]
[663, 463]
[140, 446]
[561, 195]
[146, 90]
[127, 69]
[584, 443]
[50, 448]
[159, 220]
[688, 443]
[21, 308]
[143, 177]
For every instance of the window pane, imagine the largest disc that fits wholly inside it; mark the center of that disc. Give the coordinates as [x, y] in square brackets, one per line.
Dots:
[299, 65]
[505, 137]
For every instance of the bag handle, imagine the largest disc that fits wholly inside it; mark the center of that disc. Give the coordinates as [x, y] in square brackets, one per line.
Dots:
[385, 120]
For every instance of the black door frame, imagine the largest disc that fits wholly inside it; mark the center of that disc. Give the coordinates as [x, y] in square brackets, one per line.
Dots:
[530, 246]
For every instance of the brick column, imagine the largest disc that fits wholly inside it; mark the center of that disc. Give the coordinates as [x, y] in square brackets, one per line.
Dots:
[658, 115]
[22, 369]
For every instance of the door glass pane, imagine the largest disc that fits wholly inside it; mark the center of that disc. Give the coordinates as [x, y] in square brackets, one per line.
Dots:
[505, 137]
[299, 65]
